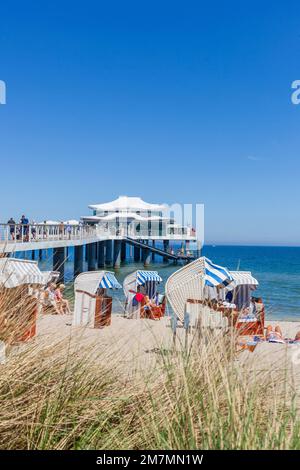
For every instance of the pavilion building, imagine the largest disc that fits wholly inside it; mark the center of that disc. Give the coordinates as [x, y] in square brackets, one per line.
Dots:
[132, 221]
[135, 218]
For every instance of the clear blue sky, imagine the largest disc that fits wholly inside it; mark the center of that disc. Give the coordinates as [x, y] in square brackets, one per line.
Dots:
[171, 101]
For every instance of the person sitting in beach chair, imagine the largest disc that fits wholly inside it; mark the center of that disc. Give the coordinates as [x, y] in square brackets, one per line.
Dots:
[161, 302]
[251, 319]
[62, 303]
[49, 301]
[150, 310]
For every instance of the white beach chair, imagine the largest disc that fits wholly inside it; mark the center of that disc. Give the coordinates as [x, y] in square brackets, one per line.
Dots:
[202, 317]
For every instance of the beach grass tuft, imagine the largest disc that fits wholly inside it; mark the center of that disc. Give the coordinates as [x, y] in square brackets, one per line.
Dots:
[71, 394]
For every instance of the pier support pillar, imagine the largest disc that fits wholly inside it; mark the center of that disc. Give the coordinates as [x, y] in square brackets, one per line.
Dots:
[78, 260]
[153, 254]
[40, 255]
[117, 254]
[108, 252]
[146, 256]
[101, 252]
[199, 247]
[166, 248]
[137, 254]
[91, 257]
[59, 262]
[123, 251]
[86, 253]
[187, 246]
[33, 255]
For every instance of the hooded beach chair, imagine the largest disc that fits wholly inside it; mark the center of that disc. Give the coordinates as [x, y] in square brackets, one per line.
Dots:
[136, 286]
[93, 307]
[188, 291]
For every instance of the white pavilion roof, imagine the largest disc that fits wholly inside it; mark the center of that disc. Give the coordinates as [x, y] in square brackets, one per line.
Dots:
[125, 203]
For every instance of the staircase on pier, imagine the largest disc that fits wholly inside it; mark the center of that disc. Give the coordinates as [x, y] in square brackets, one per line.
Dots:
[158, 251]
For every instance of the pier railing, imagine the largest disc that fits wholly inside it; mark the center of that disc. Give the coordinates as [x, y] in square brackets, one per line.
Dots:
[29, 233]
[24, 233]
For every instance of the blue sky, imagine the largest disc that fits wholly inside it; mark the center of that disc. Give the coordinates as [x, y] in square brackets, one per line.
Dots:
[183, 102]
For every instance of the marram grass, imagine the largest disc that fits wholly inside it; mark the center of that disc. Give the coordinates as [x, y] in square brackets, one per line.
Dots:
[66, 395]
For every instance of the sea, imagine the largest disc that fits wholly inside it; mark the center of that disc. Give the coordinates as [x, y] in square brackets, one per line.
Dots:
[277, 270]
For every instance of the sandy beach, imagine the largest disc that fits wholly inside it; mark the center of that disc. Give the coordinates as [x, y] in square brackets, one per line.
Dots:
[134, 344]
[132, 372]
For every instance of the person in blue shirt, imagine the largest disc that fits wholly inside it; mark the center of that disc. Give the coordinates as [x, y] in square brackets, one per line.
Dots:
[24, 226]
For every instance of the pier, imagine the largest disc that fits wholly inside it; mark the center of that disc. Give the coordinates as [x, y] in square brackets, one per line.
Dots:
[102, 247]
[102, 239]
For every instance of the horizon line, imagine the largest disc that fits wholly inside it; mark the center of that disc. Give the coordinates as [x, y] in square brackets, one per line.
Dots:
[275, 245]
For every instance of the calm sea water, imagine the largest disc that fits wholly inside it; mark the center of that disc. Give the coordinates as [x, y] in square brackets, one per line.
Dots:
[276, 268]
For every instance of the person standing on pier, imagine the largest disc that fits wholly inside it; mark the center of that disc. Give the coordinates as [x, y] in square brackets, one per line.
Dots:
[33, 229]
[24, 227]
[69, 230]
[12, 228]
[61, 230]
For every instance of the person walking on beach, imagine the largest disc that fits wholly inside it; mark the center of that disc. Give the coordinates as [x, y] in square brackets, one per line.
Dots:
[12, 228]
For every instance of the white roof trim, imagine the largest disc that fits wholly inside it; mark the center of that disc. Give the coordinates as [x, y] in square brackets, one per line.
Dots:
[127, 203]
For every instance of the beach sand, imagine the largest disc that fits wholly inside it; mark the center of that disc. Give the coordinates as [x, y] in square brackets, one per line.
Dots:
[134, 344]
[272, 357]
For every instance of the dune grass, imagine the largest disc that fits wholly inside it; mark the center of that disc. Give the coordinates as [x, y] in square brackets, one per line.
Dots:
[61, 394]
